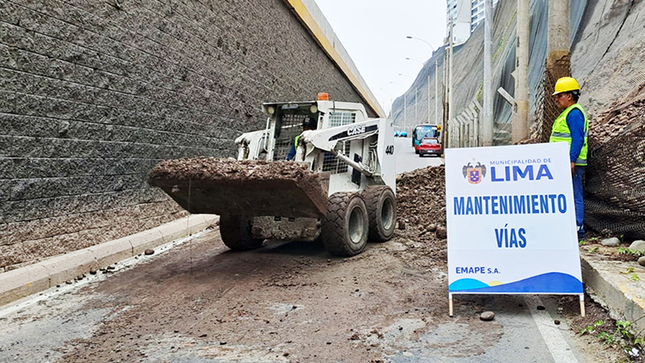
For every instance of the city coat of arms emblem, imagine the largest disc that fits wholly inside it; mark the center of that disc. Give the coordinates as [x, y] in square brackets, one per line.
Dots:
[474, 173]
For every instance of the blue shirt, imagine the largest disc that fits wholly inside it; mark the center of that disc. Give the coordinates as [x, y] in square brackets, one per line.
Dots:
[576, 123]
[292, 152]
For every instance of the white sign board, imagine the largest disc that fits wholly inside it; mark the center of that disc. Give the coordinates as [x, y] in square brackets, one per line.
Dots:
[511, 221]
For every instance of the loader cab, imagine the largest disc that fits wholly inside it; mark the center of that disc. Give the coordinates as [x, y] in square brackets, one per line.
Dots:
[285, 121]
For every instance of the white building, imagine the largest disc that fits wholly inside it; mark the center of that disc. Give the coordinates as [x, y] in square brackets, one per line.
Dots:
[466, 15]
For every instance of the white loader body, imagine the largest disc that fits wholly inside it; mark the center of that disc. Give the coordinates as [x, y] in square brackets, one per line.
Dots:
[354, 157]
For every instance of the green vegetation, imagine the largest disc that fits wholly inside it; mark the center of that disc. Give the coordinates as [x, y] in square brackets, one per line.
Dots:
[623, 250]
[621, 337]
[608, 338]
[591, 328]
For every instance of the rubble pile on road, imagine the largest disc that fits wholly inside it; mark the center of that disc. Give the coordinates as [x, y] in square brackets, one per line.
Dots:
[421, 205]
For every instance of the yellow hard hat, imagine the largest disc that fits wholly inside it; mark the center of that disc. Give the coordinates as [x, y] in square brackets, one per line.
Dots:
[566, 84]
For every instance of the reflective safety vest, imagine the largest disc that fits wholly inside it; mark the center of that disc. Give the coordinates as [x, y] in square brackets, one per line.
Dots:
[295, 148]
[560, 132]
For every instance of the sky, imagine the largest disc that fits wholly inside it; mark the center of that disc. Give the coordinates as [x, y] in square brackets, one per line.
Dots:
[374, 34]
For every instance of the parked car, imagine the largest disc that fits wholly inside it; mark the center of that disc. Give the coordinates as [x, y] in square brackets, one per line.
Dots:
[397, 133]
[430, 145]
[422, 131]
[403, 133]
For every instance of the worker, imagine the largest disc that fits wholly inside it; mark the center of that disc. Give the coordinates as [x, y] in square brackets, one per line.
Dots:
[572, 126]
[308, 124]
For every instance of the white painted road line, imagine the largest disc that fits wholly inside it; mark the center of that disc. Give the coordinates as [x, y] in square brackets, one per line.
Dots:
[560, 350]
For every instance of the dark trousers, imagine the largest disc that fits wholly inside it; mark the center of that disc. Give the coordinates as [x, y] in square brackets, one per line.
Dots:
[579, 202]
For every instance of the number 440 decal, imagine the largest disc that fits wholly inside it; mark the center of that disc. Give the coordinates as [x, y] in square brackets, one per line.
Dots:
[389, 149]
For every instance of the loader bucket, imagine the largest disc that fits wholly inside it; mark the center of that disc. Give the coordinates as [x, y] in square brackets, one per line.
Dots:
[245, 188]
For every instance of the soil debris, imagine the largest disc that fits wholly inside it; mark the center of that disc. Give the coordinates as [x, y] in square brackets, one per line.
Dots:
[215, 169]
[421, 198]
[421, 210]
[242, 187]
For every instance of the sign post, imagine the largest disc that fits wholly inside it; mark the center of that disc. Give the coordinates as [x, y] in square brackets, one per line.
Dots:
[511, 221]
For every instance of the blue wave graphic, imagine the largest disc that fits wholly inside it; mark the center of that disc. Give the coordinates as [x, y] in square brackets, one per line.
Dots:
[548, 283]
[467, 284]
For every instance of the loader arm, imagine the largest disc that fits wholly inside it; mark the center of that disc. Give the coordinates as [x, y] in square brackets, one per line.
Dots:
[328, 139]
[252, 145]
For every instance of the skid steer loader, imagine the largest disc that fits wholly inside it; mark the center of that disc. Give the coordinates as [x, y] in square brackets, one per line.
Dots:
[340, 187]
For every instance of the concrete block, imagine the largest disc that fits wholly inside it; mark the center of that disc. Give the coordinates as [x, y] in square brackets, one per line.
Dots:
[201, 222]
[22, 282]
[176, 229]
[182, 227]
[144, 240]
[210, 219]
[622, 295]
[111, 252]
[66, 267]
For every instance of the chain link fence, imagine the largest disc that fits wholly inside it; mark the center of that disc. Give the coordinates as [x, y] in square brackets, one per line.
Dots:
[615, 179]
[546, 109]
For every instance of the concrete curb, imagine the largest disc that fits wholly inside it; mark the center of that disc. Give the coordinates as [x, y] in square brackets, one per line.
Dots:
[41, 276]
[611, 283]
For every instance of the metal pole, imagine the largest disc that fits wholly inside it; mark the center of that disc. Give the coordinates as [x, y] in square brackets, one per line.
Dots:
[521, 121]
[416, 103]
[558, 60]
[450, 85]
[405, 109]
[478, 130]
[444, 109]
[487, 120]
[436, 93]
[428, 82]
[558, 32]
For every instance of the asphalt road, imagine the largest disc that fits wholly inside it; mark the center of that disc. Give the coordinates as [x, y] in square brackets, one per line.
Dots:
[286, 302]
[407, 160]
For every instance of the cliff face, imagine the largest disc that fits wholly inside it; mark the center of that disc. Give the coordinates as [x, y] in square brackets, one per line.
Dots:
[607, 55]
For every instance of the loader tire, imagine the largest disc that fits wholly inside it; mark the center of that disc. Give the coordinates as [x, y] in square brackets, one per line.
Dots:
[345, 228]
[236, 233]
[381, 212]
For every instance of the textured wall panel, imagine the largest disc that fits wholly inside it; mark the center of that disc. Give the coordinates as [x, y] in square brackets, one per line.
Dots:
[94, 93]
